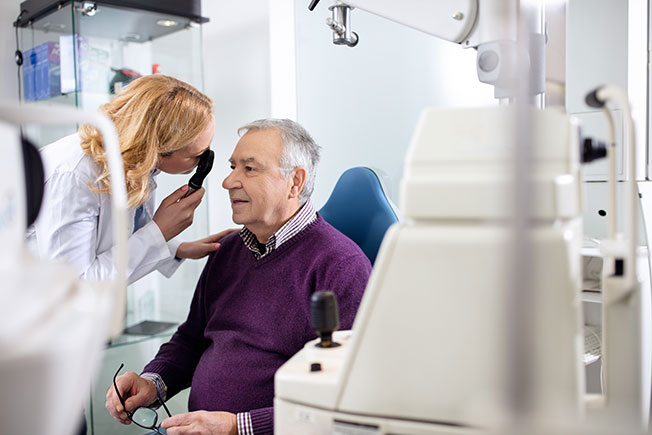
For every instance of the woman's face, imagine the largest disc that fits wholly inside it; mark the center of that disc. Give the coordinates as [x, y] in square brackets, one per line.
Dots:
[184, 160]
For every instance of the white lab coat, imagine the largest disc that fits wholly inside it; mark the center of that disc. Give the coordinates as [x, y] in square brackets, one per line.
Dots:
[74, 223]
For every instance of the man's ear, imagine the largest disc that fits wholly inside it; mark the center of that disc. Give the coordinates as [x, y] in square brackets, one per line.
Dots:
[298, 179]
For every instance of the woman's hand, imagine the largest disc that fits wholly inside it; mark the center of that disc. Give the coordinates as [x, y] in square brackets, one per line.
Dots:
[174, 216]
[202, 247]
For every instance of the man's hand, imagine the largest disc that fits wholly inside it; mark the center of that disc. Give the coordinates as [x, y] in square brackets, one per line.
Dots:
[201, 423]
[136, 391]
[175, 214]
[203, 247]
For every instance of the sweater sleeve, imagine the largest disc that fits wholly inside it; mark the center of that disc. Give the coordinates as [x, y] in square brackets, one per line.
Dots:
[348, 280]
[177, 359]
[69, 229]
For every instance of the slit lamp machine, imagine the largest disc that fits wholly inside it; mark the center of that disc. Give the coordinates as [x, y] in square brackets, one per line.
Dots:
[472, 320]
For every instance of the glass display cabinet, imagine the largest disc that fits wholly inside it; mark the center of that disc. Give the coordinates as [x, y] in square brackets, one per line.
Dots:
[80, 53]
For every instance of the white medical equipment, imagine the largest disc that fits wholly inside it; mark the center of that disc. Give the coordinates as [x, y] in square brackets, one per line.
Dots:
[489, 26]
[626, 305]
[52, 325]
[430, 350]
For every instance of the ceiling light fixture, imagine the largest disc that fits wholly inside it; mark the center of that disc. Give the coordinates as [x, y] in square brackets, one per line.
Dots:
[167, 23]
[89, 9]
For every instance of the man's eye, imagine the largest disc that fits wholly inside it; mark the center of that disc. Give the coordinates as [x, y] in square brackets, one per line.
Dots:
[232, 167]
[249, 168]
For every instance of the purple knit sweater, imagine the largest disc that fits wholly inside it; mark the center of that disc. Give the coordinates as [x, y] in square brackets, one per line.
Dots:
[249, 316]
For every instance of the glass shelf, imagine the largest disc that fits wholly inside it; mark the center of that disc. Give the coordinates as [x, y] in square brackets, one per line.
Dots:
[128, 339]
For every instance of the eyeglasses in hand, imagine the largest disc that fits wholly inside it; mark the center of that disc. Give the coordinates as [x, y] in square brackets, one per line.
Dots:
[145, 417]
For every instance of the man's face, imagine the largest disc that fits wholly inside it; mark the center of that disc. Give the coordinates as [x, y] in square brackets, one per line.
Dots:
[260, 197]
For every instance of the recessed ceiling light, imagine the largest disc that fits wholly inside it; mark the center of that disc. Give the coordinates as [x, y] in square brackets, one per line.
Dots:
[131, 37]
[167, 23]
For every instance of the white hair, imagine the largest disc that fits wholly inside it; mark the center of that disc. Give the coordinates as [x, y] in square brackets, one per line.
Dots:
[299, 149]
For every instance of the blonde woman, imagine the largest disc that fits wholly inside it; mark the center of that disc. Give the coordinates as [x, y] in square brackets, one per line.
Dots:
[163, 124]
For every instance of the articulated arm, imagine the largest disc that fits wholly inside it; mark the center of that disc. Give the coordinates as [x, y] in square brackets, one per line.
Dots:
[491, 28]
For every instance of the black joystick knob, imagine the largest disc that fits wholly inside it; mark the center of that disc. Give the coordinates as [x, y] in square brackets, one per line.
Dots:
[324, 317]
[592, 150]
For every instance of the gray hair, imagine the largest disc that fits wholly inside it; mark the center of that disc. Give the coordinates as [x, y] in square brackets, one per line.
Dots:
[299, 149]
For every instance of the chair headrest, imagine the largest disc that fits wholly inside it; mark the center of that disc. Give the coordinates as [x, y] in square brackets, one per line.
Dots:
[359, 208]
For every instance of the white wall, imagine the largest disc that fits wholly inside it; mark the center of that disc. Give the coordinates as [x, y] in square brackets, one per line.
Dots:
[362, 104]
[236, 77]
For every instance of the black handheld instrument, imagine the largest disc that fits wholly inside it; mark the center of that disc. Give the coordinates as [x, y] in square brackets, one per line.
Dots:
[203, 168]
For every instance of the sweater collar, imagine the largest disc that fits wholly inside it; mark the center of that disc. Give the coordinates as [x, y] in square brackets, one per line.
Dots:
[306, 215]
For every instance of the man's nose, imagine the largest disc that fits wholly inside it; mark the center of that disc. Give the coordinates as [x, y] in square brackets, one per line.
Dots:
[230, 182]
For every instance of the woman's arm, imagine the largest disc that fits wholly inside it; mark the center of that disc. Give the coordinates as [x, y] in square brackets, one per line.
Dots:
[72, 222]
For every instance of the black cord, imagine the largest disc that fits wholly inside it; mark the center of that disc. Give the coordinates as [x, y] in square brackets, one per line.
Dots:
[19, 62]
[19, 56]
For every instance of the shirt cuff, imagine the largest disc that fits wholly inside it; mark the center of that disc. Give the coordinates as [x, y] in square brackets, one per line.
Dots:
[161, 388]
[169, 263]
[173, 245]
[262, 421]
[244, 423]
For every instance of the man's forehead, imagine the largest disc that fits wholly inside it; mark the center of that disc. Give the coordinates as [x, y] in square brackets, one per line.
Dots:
[257, 146]
[265, 137]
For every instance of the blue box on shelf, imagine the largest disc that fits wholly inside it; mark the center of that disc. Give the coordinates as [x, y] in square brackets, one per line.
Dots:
[42, 72]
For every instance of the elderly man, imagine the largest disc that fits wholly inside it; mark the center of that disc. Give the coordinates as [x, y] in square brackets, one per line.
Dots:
[250, 312]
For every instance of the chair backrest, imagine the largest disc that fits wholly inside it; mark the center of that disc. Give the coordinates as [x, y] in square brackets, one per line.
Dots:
[359, 208]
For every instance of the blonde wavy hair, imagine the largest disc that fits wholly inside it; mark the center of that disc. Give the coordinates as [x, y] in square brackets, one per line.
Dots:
[153, 115]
